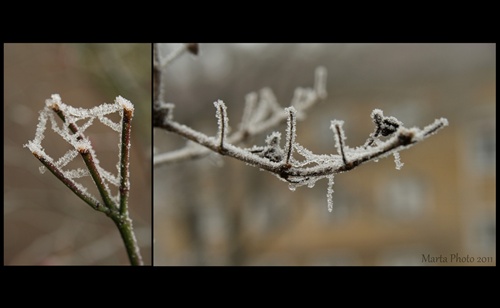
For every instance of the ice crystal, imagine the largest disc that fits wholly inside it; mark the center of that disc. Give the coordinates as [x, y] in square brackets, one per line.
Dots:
[329, 193]
[222, 120]
[397, 161]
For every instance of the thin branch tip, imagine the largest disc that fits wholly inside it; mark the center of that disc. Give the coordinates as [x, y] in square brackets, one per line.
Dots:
[290, 133]
[223, 123]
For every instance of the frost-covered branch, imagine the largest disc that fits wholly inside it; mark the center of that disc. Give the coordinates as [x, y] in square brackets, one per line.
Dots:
[325, 165]
[263, 114]
[312, 167]
[259, 115]
[115, 207]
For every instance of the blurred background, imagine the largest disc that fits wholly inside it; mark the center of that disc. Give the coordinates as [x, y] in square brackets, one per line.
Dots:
[44, 222]
[441, 205]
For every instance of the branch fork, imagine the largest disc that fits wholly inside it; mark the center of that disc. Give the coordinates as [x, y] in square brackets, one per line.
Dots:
[115, 207]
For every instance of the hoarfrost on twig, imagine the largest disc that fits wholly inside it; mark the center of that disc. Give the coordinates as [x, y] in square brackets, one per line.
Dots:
[72, 133]
[262, 112]
[397, 161]
[329, 193]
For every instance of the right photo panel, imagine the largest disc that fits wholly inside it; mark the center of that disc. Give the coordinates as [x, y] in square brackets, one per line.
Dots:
[324, 154]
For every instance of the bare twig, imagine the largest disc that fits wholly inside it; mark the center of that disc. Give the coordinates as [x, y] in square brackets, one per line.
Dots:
[253, 122]
[223, 123]
[403, 139]
[74, 135]
[75, 187]
[260, 115]
[128, 113]
[290, 134]
[339, 138]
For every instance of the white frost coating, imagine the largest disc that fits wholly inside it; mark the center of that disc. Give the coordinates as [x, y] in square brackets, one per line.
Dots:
[34, 147]
[124, 103]
[304, 98]
[117, 127]
[291, 130]
[66, 158]
[72, 115]
[397, 161]
[250, 104]
[421, 134]
[40, 128]
[261, 111]
[338, 142]
[263, 114]
[273, 139]
[54, 100]
[222, 120]
[297, 99]
[84, 127]
[83, 145]
[329, 193]
[76, 173]
[170, 114]
[258, 117]
[108, 176]
[268, 96]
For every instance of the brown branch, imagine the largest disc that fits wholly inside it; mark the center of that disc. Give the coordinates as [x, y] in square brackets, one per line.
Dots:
[72, 185]
[125, 160]
[290, 134]
[250, 126]
[157, 74]
[89, 160]
[403, 139]
[222, 121]
[340, 138]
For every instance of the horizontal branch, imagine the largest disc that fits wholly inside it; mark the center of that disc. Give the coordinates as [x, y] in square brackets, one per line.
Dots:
[261, 115]
[402, 139]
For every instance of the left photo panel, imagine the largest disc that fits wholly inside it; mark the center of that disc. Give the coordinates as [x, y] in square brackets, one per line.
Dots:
[77, 154]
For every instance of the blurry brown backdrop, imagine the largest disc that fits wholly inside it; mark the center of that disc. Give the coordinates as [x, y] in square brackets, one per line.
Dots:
[442, 202]
[44, 222]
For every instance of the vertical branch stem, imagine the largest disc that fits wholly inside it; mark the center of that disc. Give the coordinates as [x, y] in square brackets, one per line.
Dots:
[120, 218]
[341, 142]
[290, 134]
[157, 75]
[124, 225]
[96, 176]
[125, 160]
[222, 127]
[89, 162]
[222, 122]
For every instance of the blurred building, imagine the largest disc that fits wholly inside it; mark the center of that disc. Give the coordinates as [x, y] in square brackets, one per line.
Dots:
[439, 209]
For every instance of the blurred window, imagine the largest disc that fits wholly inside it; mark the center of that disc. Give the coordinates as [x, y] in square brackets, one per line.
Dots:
[345, 206]
[482, 234]
[212, 224]
[484, 148]
[402, 198]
